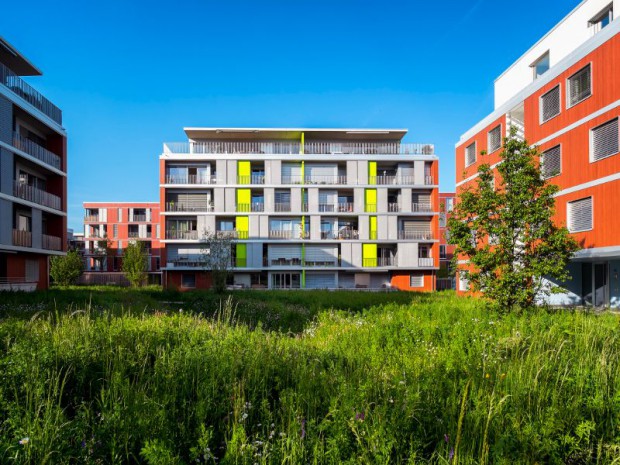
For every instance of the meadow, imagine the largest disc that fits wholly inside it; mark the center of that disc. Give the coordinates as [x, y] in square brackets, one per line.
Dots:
[121, 376]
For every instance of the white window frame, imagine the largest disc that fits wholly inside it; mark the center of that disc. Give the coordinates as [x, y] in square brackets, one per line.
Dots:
[473, 144]
[542, 160]
[540, 104]
[569, 212]
[568, 90]
[592, 160]
[596, 21]
[547, 54]
[489, 139]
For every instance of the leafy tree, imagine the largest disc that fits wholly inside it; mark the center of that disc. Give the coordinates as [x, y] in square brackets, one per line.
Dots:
[135, 263]
[507, 233]
[66, 269]
[216, 257]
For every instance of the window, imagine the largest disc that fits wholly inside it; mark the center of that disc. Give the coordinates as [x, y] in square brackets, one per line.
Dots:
[416, 280]
[120, 215]
[579, 215]
[115, 230]
[188, 280]
[495, 139]
[604, 140]
[442, 252]
[463, 283]
[550, 104]
[551, 162]
[602, 19]
[579, 86]
[470, 154]
[442, 220]
[450, 204]
[540, 66]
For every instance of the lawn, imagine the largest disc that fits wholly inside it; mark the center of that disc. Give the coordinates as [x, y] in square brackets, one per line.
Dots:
[121, 376]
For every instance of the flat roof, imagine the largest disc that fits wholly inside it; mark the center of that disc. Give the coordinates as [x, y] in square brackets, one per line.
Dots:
[294, 133]
[17, 62]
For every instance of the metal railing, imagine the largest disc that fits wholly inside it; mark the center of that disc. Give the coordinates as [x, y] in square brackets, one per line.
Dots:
[138, 218]
[391, 179]
[51, 242]
[379, 261]
[37, 151]
[186, 262]
[281, 207]
[22, 238]
[321, 263]
[33, 194]
[372, 235]
[309, 148]
[393, 207]
[327, 207]
[294, 179]
[349, 234]
[428, 180]
[258, 207]
[253, 179]
[251, 207]
[285, 262]
[191, 179]
[421, 207]
[327, 179]
[426, 261]
[189, 206]
[182, 235]
[29, 94]
[233, 234]
[345, 207]
[288, 234]
[91, 218]
[415, 235]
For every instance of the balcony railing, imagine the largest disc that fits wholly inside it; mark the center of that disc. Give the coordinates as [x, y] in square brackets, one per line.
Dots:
[34, 149]
[191, 179]
[285, 262]
[29, 94]
[282, 207]
[258, 207]
[251, 207]
[426, 261]
[182, 235]
[133, 234]
[393, 207]
[333, 179]
[288, 234]
[233, 234]
[370, 208]
[51, 242]
[415, 235]
[253, 179]
[318, 148]
[294, 179]
[183, 262]
[346, 207]
[379, 261]
[391, 179]
[421, 207]
[22, 238]
[330, 262]
[138, 218]
[91, 218]
[428, 180]
[33, 194]
[327, 207]
[189, 206]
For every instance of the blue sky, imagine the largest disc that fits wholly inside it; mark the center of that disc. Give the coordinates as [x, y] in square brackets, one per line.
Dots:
[129, 75]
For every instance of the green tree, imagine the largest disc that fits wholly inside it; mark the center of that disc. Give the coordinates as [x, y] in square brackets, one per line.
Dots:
[217, 257]
[66, 269]
[506, 232]
[135, 263]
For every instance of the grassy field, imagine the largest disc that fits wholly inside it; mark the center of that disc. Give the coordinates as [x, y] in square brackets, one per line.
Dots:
[115, 376]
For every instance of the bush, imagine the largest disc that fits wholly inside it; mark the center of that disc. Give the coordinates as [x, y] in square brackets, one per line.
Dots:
[66, 270]
[134, 263]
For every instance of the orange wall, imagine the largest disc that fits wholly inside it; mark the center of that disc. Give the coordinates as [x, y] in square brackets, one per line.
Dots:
[173, 279]
[402, 280]
[481, 140]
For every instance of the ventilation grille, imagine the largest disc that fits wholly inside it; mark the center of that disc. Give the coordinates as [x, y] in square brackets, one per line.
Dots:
[550, 104]
[605, 140]
[416, 280]
[580, 215]
[551, 162]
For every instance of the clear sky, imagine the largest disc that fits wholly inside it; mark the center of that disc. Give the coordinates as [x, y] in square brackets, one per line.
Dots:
[129, 75]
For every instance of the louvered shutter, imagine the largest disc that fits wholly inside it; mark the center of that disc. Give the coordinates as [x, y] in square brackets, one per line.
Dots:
[417, 280]
[291, 173]
[580, 215]
[551, 162]
[605, 140]
[550, 104]
[320, 280]
[470, 154]
[285, 252]
[495, 139]
[579, 86]
[321, 255]
[416, 229]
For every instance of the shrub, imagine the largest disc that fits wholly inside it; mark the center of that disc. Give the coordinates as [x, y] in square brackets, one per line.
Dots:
[66, 270]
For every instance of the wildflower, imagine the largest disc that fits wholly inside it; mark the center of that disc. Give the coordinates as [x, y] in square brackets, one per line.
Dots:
[446, 438]
[360, 416]
[303, 428]
[502, 376]
[451, 454]
[487, 376]
[24, 441]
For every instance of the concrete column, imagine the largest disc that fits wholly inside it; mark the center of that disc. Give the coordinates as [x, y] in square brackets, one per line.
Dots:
[315, 227]
[220, 168]
[313, 199]
[362, 172]
[269, 194]
[382, 199]
[218, 199]
[296, 199]
[418, 172]
[363, 226]
[358, 199]
[405, 200]
[392, 227]
[231, 171]
[352, 172]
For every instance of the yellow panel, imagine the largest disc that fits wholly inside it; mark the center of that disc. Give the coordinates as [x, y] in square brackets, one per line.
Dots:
[243, 227]
[373, 227]
[372, 172]
[369, 254]
[244, 172]
[244, 198]
[371, 200]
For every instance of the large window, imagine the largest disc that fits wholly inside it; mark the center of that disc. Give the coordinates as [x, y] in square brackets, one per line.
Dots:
[579, 215]
[470, 154]
[495, 139]
[550, 104]
[604, 140]
[551, 162]
[579, 86]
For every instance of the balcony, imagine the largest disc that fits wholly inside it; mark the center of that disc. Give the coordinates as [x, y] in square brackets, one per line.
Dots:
[22, 238]
[295, 179]
[326, 179]
[33, 194]
[182, 235]
[290, 148]
[330, 262]
[138, 219]
[51, 242]
[34, 149]
[186, 262]
[191, 179]
[393, 207]
[391, 180]
[257, 207]
[189, 206]
[91, 218]
[29, 94]
[346, 207]
[379, 261]
[288, 234]
[327, 207]
[426, 262]
[285, 262]
[253, 179]
[421, 207]
[370, 208]
[282, 207]
[415, 235]
[233, 234]
[428, 180]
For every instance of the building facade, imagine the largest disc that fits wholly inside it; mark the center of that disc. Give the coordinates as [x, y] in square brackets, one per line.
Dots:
[563, 96]
[307, 208]
[33, 177]
[109, 227]
[446, 250]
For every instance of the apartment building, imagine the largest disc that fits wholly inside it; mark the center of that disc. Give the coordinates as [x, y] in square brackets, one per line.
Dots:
[109, 227]
[446, 250]
[307, 208]
[563, 95]
[33, 176]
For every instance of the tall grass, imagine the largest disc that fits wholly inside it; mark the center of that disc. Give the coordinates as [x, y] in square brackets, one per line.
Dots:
[440, 380]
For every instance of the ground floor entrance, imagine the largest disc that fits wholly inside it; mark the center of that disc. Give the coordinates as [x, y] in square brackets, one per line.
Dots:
[595, 284]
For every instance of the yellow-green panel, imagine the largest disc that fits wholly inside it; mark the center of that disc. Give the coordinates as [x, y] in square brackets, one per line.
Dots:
[372, 172]
[371, 200]
[369, 254]
[244, 172]
[242, 255]
[373, 227]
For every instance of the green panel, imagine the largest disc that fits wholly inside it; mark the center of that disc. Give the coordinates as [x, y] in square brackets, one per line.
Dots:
[244, 172]
[242, 255]
[369, 255]
[244, 199]
[371, 200]
[243, 227]
[372, 172]
[372, 227]
[303, 141]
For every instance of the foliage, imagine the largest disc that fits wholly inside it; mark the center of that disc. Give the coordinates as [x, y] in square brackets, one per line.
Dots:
[216, 256]
[66, 270]
[135, 263]
[440, 377]
[504, 229]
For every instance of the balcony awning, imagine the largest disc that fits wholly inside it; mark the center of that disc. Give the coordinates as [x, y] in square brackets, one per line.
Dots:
[294, 134]
[15, 61]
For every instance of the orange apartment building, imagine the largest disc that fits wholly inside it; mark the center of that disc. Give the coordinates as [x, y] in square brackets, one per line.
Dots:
[563, 96]
[33, 177]
[108, 228]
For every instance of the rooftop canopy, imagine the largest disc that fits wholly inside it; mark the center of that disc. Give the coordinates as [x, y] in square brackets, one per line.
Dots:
[294, 134]
[15, 61]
